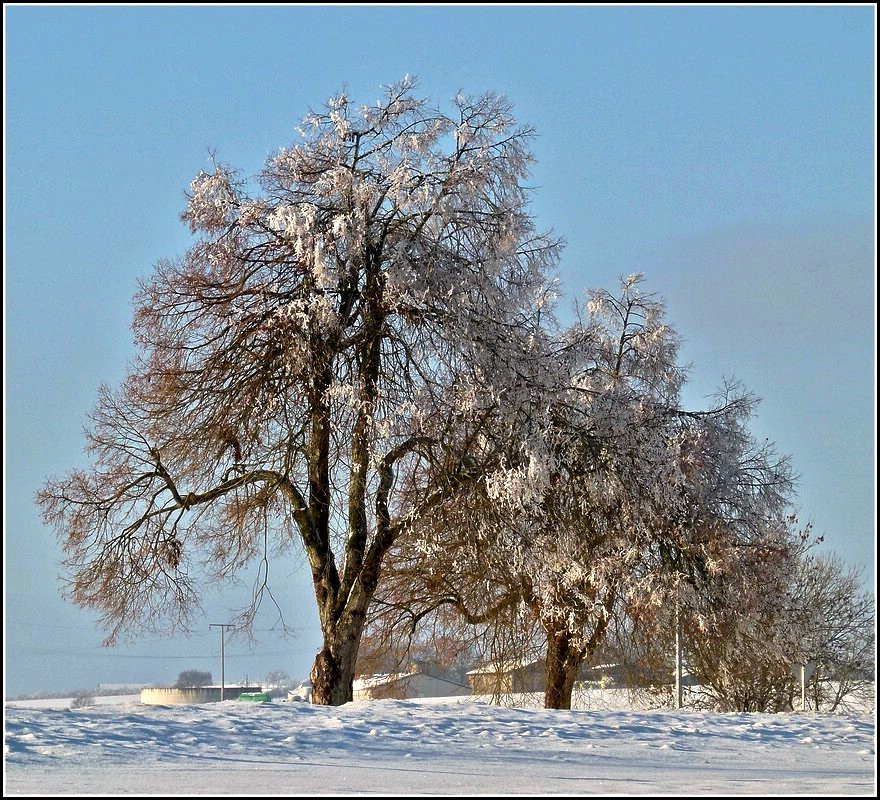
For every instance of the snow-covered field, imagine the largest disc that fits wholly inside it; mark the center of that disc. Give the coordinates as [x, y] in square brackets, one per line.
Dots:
[457, 746]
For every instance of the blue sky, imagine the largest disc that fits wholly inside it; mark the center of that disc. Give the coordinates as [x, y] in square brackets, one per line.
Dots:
[728, 152]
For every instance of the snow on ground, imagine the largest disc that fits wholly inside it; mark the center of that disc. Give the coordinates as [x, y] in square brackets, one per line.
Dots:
[460, 746]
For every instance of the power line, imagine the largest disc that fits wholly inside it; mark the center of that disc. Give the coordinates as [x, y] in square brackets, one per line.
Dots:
[29, 624]
[19, 651]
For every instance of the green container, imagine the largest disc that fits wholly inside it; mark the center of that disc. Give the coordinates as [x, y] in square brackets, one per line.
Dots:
[255, 697]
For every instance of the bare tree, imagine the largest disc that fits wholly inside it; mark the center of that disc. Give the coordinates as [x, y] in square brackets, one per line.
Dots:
[279, 679]
[313, 371]
[832, 625]
[192, 678]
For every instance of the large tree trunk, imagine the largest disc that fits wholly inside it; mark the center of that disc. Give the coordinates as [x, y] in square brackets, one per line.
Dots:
[343, 615]
[564, 658]
[332, 673]
[566, 652]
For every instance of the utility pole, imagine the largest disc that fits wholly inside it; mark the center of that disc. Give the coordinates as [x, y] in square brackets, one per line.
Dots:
[678, 686]
[223, 626]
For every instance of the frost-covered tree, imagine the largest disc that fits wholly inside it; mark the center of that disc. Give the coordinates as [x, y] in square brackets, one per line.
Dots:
[609, 497]
[744, 503]
[642, 499]
[314, 374]
[599, 479]
[728, 627]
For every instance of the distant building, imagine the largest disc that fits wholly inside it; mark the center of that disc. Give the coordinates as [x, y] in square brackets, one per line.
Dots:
[501, 677]
[628, 675]
[301, 693]
[123, 688]
[605, 674]
[407, 686]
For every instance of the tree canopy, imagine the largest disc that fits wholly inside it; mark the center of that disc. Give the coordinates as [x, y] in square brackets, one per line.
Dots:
[358, 363]
[316, 369]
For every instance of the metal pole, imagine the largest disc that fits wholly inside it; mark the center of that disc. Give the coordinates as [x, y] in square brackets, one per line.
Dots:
[804, 687]
[223, 627]
[678, 686]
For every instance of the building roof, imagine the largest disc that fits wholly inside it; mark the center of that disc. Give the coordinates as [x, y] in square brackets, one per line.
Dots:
[494, 667]
[372, 681]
